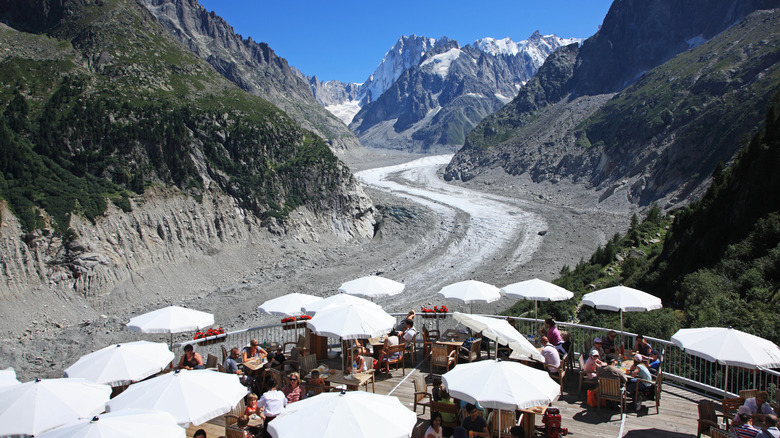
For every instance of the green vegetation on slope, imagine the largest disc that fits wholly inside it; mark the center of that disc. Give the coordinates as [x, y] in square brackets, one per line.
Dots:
[714, 263]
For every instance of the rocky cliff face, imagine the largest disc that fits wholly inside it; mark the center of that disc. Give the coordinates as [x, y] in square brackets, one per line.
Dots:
[434, 104]
[253, 66]
[635, 145]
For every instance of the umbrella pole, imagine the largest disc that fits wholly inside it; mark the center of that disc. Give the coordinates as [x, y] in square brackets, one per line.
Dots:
[726, 383]
[622, 335]
[536, 315]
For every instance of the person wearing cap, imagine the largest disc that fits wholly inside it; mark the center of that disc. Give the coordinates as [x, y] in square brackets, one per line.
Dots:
[655, 362]
[640, 377]
[598, 346]
[278, 357]
[592, 364]
[608, 342]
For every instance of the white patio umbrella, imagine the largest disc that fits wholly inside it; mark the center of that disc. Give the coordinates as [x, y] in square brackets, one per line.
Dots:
[622, 299]
[729, 347]
[191, 396]
[345, 414]
[470, 292]
[8, 378]
[127, 423]
[501, 385]
[351, 322]
[171, 319]
[500, 331]
[34, 407]
[122, 364]
[336, 301]
[537, 290]
[288, 305]
[372, 286]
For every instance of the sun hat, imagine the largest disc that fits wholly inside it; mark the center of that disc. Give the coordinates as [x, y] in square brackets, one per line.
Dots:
[594, 353]
[637, 358]
[597, 341]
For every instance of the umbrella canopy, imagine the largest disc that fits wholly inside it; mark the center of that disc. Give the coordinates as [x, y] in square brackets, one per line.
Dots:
[127, 423]
[622, 299]
[501, 384]
[470, 292]
[500, 331]
[351, 322]
[728, 346]
[372, 286]
[8, 378]
[122, 364]
[171, 319]
[34, 407]
[353, 413]
[191, 396]
[288, 305]
[537, 290]
[336, 301]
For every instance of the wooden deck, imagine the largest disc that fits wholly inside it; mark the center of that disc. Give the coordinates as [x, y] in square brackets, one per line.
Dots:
[677, 417]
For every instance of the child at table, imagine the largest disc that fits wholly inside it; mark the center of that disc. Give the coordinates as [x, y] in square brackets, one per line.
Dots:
[315, 382]
[251, 407]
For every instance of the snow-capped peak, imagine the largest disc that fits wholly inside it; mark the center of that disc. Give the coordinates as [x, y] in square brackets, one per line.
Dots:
[498, 47]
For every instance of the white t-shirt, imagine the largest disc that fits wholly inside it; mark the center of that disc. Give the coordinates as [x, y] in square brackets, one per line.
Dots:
[551, 357]
[431, 432]
[409, 335]
[274, 402]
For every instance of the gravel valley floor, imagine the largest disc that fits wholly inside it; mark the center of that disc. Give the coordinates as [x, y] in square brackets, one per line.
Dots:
[430, 233]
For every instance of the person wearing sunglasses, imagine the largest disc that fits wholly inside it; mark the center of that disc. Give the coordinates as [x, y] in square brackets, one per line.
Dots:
[293, 390]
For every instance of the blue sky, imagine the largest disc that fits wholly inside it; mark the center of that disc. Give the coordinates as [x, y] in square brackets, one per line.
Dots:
[346, 39]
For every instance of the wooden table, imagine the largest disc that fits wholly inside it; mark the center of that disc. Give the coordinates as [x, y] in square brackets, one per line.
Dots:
[254, 364]
[352, 383]
[528, 422]
[377, 346]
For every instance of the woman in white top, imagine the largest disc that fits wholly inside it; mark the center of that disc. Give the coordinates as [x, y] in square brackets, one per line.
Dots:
[434, 430]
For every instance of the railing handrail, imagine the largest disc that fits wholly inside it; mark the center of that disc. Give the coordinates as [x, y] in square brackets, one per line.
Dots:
[679, 366]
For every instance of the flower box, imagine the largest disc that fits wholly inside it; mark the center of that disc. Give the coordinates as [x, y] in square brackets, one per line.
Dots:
[293, 325]
[213, 339]
[436, 312]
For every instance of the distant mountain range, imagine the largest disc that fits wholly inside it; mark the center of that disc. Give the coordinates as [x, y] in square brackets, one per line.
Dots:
[692, 79]
[427, 93]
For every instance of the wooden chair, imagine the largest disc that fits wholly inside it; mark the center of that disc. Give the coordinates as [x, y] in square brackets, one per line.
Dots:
[300, 344]
[583, 380]
[211, 362]
[446, 408]
[560, 376]
[370, 370]
[610, 389]
[220, 368]
[570, 357]
[440, 357]
[224, 353]
[426, 344]
[708, 418]
[472, 353]
[729, 408]
[396, 351]
[420, 394]
[716, 432]
[234, 432]
[411, 347]
[507, 421]
[747, 393]
[654, 390]
[232, 416]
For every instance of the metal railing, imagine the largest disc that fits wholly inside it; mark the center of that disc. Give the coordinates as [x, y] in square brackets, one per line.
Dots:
[678, 366]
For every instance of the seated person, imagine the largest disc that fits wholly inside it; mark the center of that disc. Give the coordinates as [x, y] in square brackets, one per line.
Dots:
[231, 366]
[390, 341]
[360, 364]
[608, 342]
[401, 326]
[638, 371]
[746, 429]
[771, 430]
[278, 357]
[436, 390]
[200, 433]
[737, 420]
[474, 423]
[252, 351]
[612, 371]
[597, 346]
[551, 357]
[243, 424]
[315, 381]
[408, 333]
[435, 429]
[758, 405]
[190, 360]
[293, 390]
[251, 404]
[563, 347]
[641, 346]
[360, 348]
[592, 365]
[655, 362]
[551, 331]
[447, 417]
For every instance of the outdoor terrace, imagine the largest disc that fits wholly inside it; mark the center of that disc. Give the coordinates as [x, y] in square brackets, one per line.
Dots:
[687, 380]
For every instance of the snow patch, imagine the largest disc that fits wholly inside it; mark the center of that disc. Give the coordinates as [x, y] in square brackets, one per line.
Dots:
[345, 111]
[440, 64]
